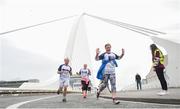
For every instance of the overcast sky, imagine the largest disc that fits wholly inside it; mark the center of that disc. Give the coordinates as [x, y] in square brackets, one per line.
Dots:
[157, 14]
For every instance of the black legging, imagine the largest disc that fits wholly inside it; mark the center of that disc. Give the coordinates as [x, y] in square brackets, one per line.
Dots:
[160, 74]
[139, 85]
[84, 85]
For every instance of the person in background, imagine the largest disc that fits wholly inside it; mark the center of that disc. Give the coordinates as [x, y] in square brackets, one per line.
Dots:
[138, 81]
[64, 72]
[158, 66]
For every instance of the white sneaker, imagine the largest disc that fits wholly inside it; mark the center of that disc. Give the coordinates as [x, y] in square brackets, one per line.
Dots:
[163, 92]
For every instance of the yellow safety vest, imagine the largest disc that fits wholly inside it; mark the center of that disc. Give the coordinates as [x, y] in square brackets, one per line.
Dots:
[161, 55]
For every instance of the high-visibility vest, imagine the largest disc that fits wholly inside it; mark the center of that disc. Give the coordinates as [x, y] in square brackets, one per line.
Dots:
[161, 55]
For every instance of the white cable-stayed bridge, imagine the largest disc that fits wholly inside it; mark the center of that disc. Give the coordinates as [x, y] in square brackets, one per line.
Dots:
[79, 47]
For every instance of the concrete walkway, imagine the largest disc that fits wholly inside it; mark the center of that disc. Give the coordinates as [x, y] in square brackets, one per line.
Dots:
[150, 95]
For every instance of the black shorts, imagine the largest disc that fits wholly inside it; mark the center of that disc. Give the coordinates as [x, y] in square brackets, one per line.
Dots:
[84, 85]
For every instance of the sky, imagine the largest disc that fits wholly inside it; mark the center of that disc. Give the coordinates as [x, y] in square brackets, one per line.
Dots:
[156, 14]
[49, 41]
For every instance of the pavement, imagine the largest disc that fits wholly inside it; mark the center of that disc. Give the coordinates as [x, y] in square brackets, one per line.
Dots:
[128, 99]
[73, 101]
[148, 95]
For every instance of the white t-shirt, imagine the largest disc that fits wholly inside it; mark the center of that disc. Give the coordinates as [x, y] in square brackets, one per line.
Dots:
[110, 66]
[65, 71]
[84, 73]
